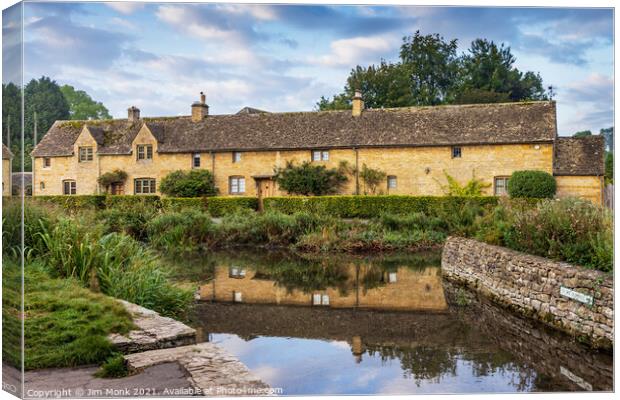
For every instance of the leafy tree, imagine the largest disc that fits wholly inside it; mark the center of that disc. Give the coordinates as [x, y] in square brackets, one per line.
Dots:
[531, 184]
[194, 183]
[310, 179]
[582, 134]
[608, 133]
[371, 178]
[44, 97]
[432, 65]
[473, 187]
[490, 68]
[109, 178]
[82, 106]
[430, 72]
[609, 168]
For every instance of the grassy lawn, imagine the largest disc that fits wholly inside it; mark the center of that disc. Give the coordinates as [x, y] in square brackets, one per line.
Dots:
[65, 324]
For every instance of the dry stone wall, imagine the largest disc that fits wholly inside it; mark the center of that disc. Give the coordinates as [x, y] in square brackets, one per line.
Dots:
[574, 299]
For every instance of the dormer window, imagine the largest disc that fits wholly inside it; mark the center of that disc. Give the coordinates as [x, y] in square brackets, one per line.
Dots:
[85, 153]
[236, 157]
[144, 152]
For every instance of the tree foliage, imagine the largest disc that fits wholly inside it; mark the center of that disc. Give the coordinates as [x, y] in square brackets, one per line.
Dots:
[310, 179]
[82, 106]
[582, 134]
[109, 178]
[531, 184]
[609, 168]
[430, 72]
[473, 187]
[372, 178]
[608, 133]
[193, 183]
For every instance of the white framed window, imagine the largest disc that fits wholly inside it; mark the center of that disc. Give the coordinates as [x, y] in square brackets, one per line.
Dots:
[85, 154]
[320, 155]
[456, 152]
[236, 272]
[501, 185]
[236, 156]
[144, 186]
[236, 185]
[196, 160]
[69, 187]
[144, 152]
[391, 181]
[47, 162]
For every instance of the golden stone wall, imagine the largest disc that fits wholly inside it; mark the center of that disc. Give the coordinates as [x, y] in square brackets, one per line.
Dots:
[586, 187]
[418, 170]
[6, 177]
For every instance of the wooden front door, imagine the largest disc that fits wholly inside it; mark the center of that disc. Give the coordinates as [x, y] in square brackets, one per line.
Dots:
[118, 188]
[265, 188]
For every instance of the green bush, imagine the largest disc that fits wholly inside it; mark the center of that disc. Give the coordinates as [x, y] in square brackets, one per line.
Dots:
[531, 184]
[571, 230]
[370, 206]
[310, 179]
[126, 201]
[113, 367]
[193, 183]
[220, 206]
[185, 230]
[73, 204]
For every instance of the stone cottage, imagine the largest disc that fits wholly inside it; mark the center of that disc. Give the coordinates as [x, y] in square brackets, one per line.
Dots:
[7, 160]
[414, 146]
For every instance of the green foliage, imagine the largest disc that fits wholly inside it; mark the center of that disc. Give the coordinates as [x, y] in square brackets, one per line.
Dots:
[473, 187]
[44, 97]
[181, 231]
[82, 106]
[112, 177]
[65, 325]
[74, 204]
[113, 367]
[430, 72]
[582, 134]
[310, 179]
[531, 184]
[131, 220]
[609, 168]
[193, 183]
[220, 206]
[608, 133]
[371, 178]
[368, 206]
[569, 229]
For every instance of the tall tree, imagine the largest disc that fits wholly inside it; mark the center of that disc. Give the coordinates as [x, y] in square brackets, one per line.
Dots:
[82, 106]
[490, 68]
[44, 97]
[608, 133]
[432, 64]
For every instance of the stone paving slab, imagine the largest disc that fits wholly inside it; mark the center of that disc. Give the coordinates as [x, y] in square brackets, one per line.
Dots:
[212, 371]
[154, 332]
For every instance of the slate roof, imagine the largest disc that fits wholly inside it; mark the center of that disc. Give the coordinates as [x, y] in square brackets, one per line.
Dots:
[6, 153]
[579, 156]
[526, 122]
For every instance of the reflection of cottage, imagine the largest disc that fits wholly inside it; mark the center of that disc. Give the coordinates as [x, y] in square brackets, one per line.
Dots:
[413, 290]
[412, 145]
[21, 183]
[7, 164]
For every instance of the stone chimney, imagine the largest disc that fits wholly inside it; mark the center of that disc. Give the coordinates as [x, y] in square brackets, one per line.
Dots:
[133, 114]
[200, 109]
[358, 104]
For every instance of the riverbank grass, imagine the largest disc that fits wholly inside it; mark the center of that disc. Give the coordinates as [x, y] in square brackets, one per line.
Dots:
[65, 324]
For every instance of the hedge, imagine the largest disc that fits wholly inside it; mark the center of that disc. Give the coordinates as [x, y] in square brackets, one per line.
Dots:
[217, 206]
[370, 206]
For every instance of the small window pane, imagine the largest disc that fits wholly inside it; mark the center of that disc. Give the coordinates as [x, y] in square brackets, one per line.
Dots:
[47, 162]
[501, 186]
[196, 163]
[149, 152]
[456, 152]
[241, 185]
[236, 156]
[391, 182]
[325, 155]
[316, 155]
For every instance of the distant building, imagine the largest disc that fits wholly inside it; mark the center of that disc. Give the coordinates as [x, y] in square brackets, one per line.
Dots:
[21, 181]
[412, 145]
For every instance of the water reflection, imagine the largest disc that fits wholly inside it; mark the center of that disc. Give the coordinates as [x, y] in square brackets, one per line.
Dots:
[360, 340]
[412, 283]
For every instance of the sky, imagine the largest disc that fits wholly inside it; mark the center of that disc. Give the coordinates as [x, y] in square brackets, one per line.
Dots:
[159, 56]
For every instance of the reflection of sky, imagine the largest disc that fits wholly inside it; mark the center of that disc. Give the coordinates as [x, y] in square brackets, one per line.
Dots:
[307, 366]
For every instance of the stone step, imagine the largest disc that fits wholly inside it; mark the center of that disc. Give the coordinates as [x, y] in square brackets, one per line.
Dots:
[153, 332]
[212, 371]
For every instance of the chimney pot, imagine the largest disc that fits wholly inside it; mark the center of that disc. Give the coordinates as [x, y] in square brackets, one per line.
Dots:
[133, 113]
[358, 103]
[200, 109]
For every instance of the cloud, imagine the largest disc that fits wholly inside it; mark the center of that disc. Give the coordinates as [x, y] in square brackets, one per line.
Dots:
[596, 88]
[125, 7]
[357, 50]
